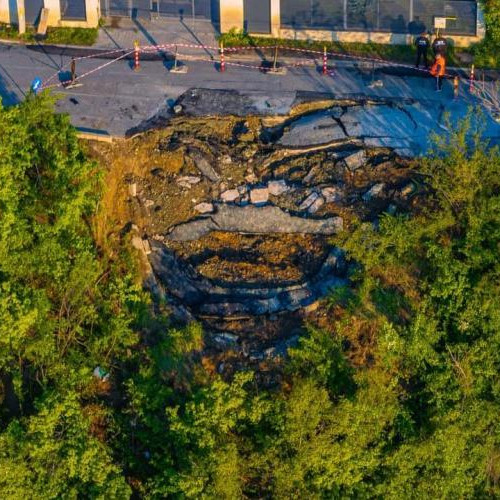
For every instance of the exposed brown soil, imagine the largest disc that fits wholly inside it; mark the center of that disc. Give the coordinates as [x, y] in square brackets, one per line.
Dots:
[156, 160]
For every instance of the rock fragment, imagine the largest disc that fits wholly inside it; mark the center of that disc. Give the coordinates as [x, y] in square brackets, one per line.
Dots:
[225, 339]
[204, 208]
[203, 165]
[230, 195]
[356, 160]
[277, 188]
[408, 190]
[309, 201]
[132, 189]
[332, 194]
[374, 192]
[259, 196]
[316, 205]
[188, 179]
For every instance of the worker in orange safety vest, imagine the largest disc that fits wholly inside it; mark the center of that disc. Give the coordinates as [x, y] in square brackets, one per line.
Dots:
[438, 70]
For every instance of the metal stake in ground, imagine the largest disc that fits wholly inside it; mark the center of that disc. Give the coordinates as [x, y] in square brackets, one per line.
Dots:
[276, 70]
[73, 70]
[137, 66]
[222, 66]
[178, 68]
[471, 83]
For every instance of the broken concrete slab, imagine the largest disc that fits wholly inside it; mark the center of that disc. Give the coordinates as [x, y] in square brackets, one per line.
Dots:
[332, 194]
[204, 208]
[317, 128]
[259, 196]
[207, 298]
[355, 160]
[203, 165]
[188, 179]
[309, 201]
[277, 187]
[252, 219]
[316, 205]
[374, 192]
[230, 195]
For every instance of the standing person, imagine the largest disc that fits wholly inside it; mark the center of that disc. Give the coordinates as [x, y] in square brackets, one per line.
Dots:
[439, 70]
[439, 45]
[422, 43]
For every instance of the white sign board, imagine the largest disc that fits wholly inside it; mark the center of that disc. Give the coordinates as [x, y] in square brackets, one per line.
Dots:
[440, 23]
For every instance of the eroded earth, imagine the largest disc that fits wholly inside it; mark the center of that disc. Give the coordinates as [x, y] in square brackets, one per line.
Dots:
[236, 217]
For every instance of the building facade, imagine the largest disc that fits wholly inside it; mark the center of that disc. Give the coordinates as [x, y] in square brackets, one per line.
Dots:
[67, 13]
[381, 21]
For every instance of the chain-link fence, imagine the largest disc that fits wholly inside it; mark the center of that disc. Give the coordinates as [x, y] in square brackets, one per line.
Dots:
[394, 16]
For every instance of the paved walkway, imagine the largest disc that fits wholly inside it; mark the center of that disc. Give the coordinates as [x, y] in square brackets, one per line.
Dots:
[156, 32]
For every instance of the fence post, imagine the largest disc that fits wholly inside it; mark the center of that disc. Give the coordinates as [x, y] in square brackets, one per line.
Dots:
[471, 83]
[73, 70]
[222, 61]
[137, 65]
[275, 59]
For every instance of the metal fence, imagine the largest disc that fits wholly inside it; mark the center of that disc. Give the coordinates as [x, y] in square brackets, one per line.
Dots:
[394, 16]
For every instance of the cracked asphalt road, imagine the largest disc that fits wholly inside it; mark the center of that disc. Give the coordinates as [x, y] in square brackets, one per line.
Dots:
[116, 99]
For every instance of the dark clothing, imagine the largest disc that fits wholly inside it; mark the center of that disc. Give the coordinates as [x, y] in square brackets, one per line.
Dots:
[439, 46]
[73, 70]
[439, 83]
[422, 43]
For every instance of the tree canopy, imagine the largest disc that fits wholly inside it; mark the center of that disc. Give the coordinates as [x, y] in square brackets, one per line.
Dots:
[413, 412]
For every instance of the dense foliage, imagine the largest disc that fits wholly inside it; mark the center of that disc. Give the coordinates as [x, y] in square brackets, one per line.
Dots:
[402, 400]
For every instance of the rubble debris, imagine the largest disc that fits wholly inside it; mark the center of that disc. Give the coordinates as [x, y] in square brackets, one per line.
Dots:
[316, 205]
[225, 339]
[188, 180]
[204, 208]
[374, 192]
[332, 194]
[132, 189]
[203, 165]
[230, 195]
[277, 187]
[355, 160]
[213, 299]
[259, 196]
[408, 190]
[309, 201]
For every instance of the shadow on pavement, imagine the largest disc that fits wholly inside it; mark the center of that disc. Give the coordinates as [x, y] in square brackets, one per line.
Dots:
[8, 96]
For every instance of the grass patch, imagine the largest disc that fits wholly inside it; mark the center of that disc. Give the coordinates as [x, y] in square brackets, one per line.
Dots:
[484, 54]
[61, 36]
